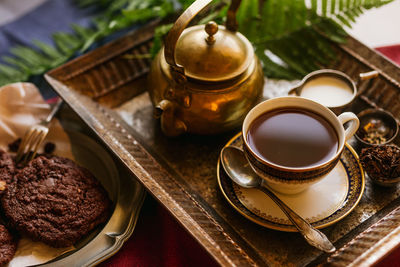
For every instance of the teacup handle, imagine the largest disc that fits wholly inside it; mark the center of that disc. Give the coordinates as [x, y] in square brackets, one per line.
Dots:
[354, 123]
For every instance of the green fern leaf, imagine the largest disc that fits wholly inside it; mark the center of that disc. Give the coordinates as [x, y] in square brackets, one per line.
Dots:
[324, 8]
[281, 26]
[272, 68]
[82, 32]
[9, 71]
[314, 6]
[247, 13]
[47, 49]
[333, 6]
[9, 74]
[158, 36]
[15, 62]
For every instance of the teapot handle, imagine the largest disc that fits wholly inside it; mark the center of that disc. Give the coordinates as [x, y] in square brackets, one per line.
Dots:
[231, 22]
[181, 23]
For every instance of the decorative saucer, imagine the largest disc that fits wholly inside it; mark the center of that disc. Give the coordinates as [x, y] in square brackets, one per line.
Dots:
[323, 204]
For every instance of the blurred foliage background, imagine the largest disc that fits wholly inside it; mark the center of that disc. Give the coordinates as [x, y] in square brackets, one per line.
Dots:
[291, 37]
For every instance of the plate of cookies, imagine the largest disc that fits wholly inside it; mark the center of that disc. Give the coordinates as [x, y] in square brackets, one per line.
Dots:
[72, 205]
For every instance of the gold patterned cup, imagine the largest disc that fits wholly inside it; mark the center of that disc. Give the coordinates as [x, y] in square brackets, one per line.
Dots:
[292, 180]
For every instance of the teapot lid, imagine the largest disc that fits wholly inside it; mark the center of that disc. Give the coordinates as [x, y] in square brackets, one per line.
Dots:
[213, 53]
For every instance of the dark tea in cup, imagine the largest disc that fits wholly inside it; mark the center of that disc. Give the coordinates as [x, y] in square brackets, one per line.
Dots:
[293, 142]
[292, 137]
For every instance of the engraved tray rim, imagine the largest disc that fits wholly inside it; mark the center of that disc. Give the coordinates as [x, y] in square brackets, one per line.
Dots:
[182, 201]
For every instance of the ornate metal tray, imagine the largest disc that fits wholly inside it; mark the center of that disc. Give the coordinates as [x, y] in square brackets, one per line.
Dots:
[106, 90]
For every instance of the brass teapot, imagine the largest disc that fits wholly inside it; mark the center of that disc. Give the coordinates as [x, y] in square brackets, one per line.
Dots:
[206, 77]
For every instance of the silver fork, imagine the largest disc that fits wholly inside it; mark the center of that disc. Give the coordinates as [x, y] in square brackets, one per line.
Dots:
[34, 136]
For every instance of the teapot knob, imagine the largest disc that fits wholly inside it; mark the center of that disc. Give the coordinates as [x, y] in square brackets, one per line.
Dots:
[211, 29]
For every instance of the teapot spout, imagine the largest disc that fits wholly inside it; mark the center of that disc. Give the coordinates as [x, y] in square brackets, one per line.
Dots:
[170, 125]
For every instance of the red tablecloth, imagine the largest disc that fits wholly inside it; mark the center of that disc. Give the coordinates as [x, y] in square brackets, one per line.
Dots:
[159, 240]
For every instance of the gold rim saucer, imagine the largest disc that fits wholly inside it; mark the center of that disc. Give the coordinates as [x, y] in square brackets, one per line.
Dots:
[355, 181]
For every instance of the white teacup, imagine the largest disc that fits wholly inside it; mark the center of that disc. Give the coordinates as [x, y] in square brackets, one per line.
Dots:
[292, 180]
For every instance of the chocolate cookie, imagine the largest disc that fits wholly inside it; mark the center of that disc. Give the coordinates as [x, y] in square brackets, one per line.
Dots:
[7, 167]
[55, 201]
[8, 245]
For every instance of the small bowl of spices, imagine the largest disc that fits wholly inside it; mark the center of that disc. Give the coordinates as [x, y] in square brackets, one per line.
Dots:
[377, 127]
[382, 164]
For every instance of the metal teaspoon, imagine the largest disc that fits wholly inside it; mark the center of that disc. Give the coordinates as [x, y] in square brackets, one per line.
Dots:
[238, 169]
